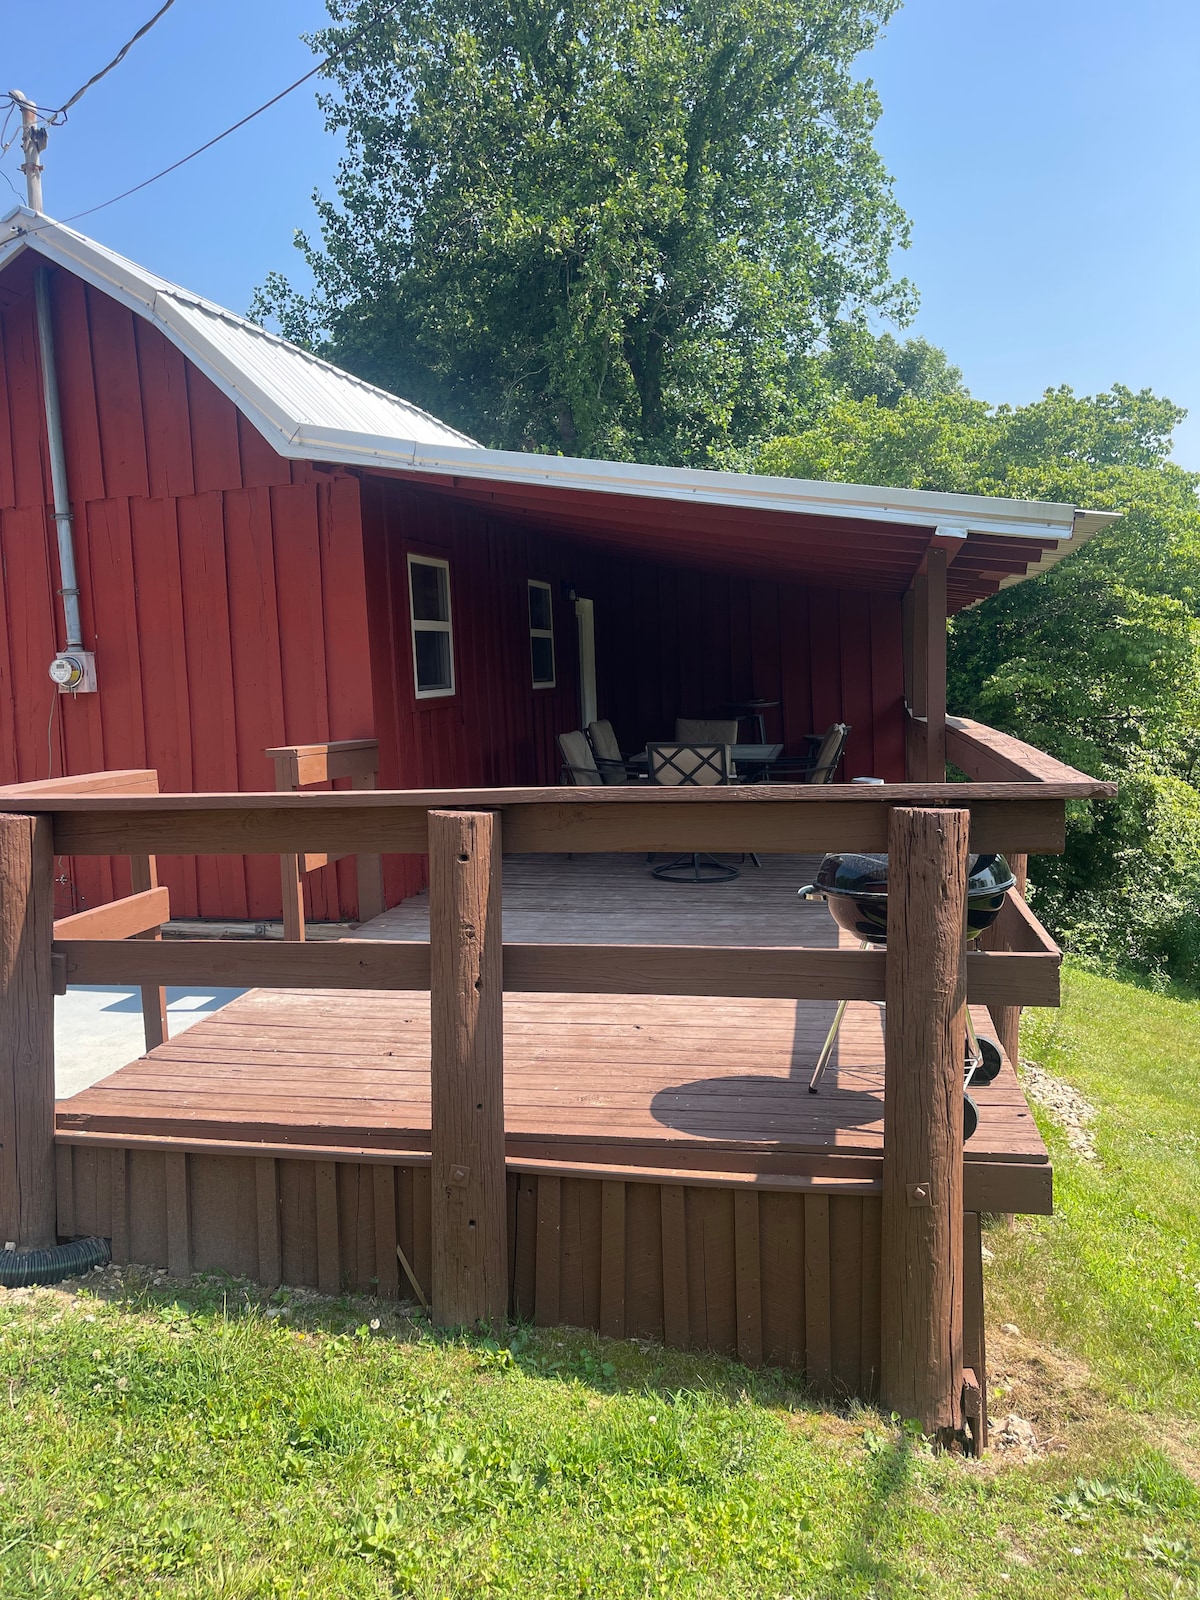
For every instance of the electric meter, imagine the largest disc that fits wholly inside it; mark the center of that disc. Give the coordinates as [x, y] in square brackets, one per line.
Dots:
[74, 671]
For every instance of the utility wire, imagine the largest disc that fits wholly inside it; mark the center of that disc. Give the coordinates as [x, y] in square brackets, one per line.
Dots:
[334, 55]
[116, 61]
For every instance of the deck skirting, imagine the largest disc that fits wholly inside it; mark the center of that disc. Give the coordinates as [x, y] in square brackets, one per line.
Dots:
[772, 1276]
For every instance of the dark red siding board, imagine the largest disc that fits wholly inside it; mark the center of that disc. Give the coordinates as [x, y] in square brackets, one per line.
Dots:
[166, 698]
[222, 879]
[76, 388]
[887, 687]
[118, 396]
[8, 492]
[262, 468]
[165, 403]
[302, 644]
[23, 372]
[216, 461]
[257, 667]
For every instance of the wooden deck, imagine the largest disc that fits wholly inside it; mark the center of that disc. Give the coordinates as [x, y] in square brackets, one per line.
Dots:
[658, 1083]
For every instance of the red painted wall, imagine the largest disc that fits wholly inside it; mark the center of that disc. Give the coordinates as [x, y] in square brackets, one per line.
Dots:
[222, 588]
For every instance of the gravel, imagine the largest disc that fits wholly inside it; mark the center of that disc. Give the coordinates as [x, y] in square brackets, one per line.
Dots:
[1066, 1105]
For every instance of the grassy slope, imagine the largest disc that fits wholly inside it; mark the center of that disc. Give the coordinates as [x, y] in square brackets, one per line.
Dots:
[184, 1441]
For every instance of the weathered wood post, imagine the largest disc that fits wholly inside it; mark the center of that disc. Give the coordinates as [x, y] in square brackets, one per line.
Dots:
[922, 1288]
[469, 1210]
[1007, 1019]
[27, 1187]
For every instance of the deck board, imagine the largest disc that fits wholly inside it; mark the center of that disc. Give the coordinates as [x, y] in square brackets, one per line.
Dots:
[676, 1075]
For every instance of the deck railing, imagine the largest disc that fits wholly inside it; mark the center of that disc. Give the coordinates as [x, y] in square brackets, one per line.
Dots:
[926, 976]
[298, 766]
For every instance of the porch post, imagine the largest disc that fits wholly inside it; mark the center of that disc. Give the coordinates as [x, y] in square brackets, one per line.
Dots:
[469, 1206]
[27, 1188]
[925, 987]
[924, 637]
[935, 672]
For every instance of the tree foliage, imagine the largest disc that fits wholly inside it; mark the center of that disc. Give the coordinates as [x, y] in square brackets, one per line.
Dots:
[605, 227]
[1098, 660]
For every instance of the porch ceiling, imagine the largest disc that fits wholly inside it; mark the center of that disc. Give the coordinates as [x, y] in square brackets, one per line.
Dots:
[751, 541]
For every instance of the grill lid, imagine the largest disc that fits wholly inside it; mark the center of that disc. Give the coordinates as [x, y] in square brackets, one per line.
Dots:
[865, 877]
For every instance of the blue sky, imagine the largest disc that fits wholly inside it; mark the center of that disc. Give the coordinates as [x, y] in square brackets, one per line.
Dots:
[1048, 154]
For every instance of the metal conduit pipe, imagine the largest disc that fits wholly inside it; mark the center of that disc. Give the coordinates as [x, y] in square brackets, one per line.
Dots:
[58, 465]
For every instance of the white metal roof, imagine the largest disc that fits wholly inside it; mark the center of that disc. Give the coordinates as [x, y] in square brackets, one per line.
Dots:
[283, 390]
[309, 410]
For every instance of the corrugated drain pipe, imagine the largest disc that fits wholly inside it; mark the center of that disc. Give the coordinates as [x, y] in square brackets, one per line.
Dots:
[21, 1268]
[58, 465]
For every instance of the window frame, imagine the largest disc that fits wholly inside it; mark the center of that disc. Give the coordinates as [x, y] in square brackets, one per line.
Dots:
[542, 633]
[419, 625]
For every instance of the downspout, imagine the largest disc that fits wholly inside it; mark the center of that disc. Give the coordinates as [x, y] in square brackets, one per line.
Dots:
[73, 669]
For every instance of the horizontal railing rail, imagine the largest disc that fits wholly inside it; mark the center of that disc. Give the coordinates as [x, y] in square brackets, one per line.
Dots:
[988, 756]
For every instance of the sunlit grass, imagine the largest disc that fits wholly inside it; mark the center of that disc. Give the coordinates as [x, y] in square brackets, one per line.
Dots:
[200, 1440]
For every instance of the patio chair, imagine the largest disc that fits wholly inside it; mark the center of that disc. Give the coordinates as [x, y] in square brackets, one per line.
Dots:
[614, 767]
[820, 762]
[689, 765]
[828, 754]
[706, 730]
[579, 765]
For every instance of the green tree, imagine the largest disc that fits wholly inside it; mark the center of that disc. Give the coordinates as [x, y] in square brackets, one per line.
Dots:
[1098, 660]
[607, 227]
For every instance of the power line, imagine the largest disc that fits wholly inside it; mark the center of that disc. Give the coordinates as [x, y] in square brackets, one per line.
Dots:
[334, 55]
[115, 62]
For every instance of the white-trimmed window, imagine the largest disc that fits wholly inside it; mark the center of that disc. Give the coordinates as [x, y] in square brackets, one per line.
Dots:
[541, 633]
[432, 632]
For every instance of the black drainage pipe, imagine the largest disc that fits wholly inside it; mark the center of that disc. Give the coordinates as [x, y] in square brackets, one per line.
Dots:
[19, 1269]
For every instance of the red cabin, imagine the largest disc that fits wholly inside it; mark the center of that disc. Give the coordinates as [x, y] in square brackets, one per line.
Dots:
[592, 1108]
[252, 529]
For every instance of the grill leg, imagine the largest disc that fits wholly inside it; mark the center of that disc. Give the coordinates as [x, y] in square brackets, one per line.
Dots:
[827, 1047]
[974, 1053]
[831, 1038]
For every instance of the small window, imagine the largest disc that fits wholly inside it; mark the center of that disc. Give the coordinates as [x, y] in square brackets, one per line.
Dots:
[541, 634]
[432, 636]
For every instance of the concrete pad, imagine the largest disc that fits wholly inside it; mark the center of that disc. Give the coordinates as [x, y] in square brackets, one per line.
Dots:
[98, 1028]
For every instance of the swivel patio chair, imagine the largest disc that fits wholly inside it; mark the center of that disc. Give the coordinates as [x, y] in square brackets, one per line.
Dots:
[691, 765]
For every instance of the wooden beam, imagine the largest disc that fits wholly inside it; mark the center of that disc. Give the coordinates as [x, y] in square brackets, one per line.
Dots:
[922, 1256]
[935, 672]
[1016, 928]
[989, 756]
[1025, 977]
[28, 1205]
[251, 963]
[131, 780]
[143, 871]
[119, 919]
[470, 1213]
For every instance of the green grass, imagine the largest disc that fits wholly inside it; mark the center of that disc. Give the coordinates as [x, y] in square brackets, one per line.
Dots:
[196, 1440]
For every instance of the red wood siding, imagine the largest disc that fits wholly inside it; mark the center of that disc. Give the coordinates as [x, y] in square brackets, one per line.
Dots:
[222, 588]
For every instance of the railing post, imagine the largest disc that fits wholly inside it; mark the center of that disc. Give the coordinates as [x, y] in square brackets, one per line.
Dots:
[469, 1210]
[27, 1187]
[1007, 1019]
[922, 1287]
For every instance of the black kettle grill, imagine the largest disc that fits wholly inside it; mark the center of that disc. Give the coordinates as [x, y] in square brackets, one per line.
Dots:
[855, 889]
